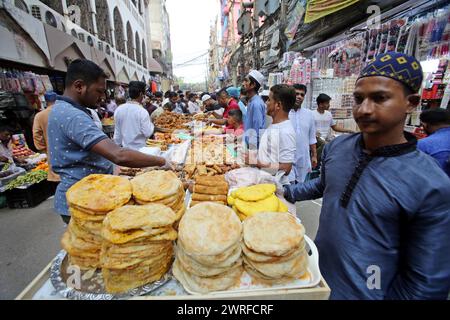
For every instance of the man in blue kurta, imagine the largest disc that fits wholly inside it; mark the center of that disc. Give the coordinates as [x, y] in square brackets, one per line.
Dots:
[385, 220]
[436, 123]
[256, 109]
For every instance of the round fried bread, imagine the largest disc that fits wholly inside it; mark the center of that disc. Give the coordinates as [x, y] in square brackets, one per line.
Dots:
[194, 267]
[117, 237]
[85, 263]
[82, 215]
[289, 268]
[198, 284]
[209, 229]
[224, 259]
[273, 233]
[155, 185]
[68, 245]
[259, 257]
[99, 193]
[125, 262]
[259, 278]
[122, 284]
[140, 217]
[83, 233]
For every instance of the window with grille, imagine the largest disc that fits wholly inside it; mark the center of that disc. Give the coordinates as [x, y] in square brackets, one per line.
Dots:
[36, 12]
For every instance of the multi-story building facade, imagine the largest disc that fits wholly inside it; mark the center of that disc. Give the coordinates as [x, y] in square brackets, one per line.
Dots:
[213, 60]
[160, 38]
[49, 34]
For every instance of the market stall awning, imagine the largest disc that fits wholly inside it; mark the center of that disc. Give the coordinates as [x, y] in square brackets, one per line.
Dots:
[154, 66]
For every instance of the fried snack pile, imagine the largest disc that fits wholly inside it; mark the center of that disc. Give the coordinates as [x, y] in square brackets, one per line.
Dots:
[213, 189]
[90, 200]
[274, 248]
[163, 187]
[248, 201]
[137, 246]
[208, 252]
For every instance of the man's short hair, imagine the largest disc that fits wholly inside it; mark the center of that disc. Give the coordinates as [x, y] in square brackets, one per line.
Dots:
[321, 98]
[158, 94]
[86, 70]
[173, 94]
[284, 94]
[236, 113]
[435, 116]
[223, 92]
[299, 86]
[135, 88]
[191, 95]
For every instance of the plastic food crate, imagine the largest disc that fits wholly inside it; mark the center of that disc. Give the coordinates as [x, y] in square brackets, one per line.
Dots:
[29, 197]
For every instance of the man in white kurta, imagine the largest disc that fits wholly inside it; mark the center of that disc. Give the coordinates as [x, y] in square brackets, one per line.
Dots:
[305, 130]
[132, 122]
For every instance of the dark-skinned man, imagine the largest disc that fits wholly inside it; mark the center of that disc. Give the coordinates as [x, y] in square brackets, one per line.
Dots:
[227, 103]
[276, 151]
[77, 146]
[383, 231]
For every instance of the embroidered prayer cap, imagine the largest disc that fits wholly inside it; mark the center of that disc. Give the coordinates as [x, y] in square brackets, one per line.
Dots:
[397, 66]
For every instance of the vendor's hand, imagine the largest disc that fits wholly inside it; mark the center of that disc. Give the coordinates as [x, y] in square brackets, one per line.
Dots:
[287, 195]
[4, 159]
[314, 161]
[251, 158]
[169, 165]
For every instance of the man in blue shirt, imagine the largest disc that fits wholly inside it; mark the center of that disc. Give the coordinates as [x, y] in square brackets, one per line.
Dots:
[77, 146]
[385, 220]
[256, 109]
[436, 123]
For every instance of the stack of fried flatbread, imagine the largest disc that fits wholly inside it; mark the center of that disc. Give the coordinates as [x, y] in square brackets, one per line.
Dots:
[137, 246]
[208, 253]
[212, 189]
[274, 248]
[162, 187]
[248, 201]
[90, 200]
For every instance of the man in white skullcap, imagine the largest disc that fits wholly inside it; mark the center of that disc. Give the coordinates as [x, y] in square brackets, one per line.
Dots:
[256, 109]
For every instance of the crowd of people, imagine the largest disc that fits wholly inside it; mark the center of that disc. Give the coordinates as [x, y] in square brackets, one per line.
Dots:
[386, 197]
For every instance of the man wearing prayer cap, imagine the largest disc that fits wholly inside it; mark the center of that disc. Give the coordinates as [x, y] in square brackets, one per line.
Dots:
[256, 109]
[40, 137]
[385, 220]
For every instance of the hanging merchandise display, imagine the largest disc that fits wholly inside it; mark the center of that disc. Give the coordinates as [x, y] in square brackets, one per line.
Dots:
[275, 78]
[300, 71]
[294, 20]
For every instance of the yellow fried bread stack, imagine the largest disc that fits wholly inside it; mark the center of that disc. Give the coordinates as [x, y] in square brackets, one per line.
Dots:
[208, 253]
[137, 246]
[211, 189]
[248, 201]
[163, 187]
[274, 248]
[90, 200]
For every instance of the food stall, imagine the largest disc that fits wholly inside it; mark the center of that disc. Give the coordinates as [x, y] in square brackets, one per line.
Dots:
[24, 184]
[141, 240]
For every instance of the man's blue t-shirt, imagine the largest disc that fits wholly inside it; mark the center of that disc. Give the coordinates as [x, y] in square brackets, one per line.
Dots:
[71, 135]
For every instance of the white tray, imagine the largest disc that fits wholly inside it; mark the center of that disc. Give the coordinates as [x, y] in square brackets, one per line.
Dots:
[247, 287]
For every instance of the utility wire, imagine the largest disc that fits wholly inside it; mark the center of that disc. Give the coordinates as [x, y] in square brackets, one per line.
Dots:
[180, 64]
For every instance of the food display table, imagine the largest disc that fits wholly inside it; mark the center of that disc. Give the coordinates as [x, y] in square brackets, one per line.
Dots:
[320, 292]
